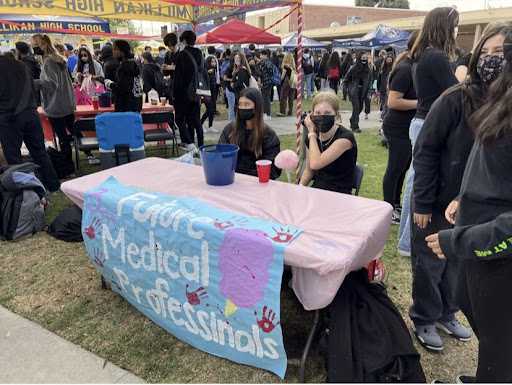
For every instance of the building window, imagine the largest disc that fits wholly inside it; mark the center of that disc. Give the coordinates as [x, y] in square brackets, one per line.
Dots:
[354, 20]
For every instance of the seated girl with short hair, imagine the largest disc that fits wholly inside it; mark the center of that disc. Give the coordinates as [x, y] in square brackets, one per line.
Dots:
[331, 152]
[249, 132]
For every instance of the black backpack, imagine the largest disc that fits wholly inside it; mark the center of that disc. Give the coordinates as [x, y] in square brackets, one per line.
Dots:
[62, 162]
[68, 225]
[198, 90]
[21, 205]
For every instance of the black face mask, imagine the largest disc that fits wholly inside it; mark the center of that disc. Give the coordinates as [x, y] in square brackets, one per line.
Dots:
[323, 123]
[364, 62]
[389, 64]
[246, 114]
[38, 51]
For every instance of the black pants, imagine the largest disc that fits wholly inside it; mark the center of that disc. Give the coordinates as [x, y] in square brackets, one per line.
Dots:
[27, 127]
[433, 279]
[345, 92]
[215, 95]
[483, 293]
[209, 113]
[333, 84]
[399, 159]
[267, 102]
[357, 107]
[187, 120]
[367, 105]
[60, 127]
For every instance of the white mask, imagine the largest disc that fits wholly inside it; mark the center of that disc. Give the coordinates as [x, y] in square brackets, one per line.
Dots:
[306, 55]
[455, 32]
[85, 59]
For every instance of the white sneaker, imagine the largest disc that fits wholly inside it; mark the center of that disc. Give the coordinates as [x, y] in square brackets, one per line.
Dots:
[266, 117]
[213, 129]
[205, 129]
[192, 147]
[93, 159]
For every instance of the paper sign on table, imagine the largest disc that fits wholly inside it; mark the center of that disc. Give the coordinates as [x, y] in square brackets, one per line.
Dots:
[208, 276]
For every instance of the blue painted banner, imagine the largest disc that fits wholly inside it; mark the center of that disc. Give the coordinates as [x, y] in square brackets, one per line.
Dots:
[210, 277]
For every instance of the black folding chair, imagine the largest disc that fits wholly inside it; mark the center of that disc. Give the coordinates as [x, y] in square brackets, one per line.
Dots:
[84, 143]
[161, 133]
[319, 313]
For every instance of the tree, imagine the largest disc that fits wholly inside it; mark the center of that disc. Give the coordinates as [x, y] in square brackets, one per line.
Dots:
[402, 4]
[132, 29]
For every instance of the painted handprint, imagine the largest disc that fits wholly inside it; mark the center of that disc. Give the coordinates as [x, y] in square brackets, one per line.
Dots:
[93, 229]
[99, 258]
[195, 297]
[93, 204]
[266, 323]
[282, 236]
[234, 221]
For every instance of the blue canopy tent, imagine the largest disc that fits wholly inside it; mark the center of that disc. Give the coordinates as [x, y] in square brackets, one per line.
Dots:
[378, 38]
[291, 42]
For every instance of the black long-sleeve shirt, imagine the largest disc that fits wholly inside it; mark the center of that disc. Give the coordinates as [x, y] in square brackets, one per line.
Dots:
[246, 162]
[440, 154]
[13, 76]
[483, 227]
[184, 73]
[432, 75]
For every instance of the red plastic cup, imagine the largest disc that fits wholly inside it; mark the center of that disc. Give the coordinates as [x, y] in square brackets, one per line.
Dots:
[263, 167]
[95, 104]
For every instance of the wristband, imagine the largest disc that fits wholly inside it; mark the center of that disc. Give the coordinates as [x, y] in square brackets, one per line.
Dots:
[310, 134]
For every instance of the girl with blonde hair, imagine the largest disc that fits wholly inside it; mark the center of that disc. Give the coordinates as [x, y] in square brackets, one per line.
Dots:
[287, 88]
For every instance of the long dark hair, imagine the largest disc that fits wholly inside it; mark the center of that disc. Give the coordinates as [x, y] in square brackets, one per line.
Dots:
[384, 68]
[208, 62]
[325, 59]
[410, 43]
[474, 90]
[90, 61]
[125, 48]
[359, 68]
[255, 141]
[493, 121]
[334, 60]
[437, 32]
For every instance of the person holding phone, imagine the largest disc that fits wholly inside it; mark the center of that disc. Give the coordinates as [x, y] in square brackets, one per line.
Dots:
[331, 152]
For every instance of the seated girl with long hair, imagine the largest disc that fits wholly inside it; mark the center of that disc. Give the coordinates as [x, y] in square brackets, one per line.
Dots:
[249, 132]
[331, 149]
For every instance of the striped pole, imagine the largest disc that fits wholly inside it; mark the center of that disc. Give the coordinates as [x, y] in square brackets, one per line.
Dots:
[299, 82]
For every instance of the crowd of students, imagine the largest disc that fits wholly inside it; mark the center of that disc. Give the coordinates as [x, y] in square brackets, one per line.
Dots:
[447, 127]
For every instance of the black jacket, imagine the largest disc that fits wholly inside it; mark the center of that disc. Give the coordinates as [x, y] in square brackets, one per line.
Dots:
[184, 74]
[382, 81]
[240, 81]
[483, 226]
[352, 81]
[246, 162]
[110, 67]
[440, 154]
[33, 66]
[127, 88]
[13, 76]
[149, 73]
[368, 338]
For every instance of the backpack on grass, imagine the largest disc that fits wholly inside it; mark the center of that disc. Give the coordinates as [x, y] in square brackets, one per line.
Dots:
[68, 225]
[62, 162]
[21, 201]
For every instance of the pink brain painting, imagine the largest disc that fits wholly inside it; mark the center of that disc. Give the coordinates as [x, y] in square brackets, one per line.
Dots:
[244, 260]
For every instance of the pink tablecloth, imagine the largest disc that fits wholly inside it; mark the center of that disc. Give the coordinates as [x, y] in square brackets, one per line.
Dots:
[341, 233]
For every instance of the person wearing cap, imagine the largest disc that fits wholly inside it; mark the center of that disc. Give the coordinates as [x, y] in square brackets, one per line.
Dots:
[70, 55]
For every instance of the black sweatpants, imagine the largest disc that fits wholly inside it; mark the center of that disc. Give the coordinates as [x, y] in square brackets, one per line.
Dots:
[399, 160]
[483, 294]
[60, 127]
[333, 84]
[188, 120]
[209, 113]
[267, 101]
[433, 279]
[27, 127]
[357, 107]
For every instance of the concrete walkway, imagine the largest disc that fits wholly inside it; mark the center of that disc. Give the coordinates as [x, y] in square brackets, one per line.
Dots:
[31, 354]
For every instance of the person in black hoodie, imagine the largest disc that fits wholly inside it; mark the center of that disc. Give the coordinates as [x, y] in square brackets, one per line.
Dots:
[249, 132]
[482, 237]
[150, 71]
[382, 83]
[110, 65]
[211, 68]
[20, 121]
[127, 88]
[187, 111]
[440, 156]
[24, 55]
[359, 83]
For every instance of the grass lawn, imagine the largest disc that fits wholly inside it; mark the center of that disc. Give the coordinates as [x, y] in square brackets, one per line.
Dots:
[54, 284]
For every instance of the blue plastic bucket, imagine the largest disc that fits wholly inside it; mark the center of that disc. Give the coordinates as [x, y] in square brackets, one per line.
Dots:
[219, 163]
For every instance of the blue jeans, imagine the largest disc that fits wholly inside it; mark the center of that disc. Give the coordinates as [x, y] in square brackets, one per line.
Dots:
[312, 83]
[404, 232]
[231, 105]
[307, 82]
